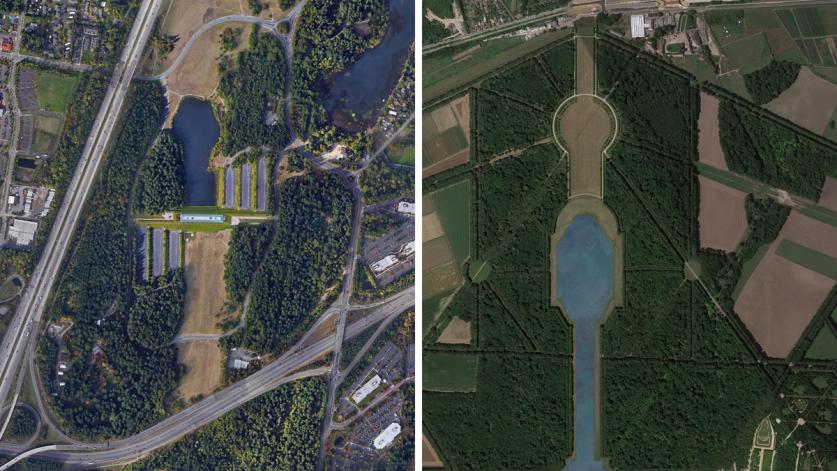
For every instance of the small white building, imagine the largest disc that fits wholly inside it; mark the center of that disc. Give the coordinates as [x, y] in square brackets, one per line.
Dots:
[387, 436]
[23, 231]
[637, 26]
[405, 207]
[366, 389]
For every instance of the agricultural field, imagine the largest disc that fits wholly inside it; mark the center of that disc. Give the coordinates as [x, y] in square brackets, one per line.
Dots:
[446, 142]
[450, 372]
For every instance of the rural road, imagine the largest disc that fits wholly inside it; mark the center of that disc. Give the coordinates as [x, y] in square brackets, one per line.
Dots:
[28, 316]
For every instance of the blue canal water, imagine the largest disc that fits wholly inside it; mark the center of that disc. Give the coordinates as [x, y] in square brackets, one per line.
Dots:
[584, 284]
[366, 84]
[195, 126]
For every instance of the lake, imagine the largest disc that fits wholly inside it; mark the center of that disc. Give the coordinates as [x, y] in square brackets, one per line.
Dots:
[195, 126]
[584, 284]
[366, 84]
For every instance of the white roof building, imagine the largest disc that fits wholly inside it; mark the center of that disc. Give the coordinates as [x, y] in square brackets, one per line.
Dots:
[387, 436]
[23, 231]
[637, 26]
[384, 264]
[405, 207]
[366, 389]
[408, 248]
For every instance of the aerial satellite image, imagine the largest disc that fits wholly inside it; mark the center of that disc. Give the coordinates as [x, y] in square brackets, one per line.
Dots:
[629, 232]
[207, 234]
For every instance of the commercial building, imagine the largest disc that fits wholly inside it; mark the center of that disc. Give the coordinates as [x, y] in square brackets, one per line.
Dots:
[22, 232]
[406, 207]
[371, 385]
[387, 436]
[637, 26]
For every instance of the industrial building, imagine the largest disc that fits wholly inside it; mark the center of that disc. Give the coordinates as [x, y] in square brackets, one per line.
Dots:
[202, 218]
[391, 256]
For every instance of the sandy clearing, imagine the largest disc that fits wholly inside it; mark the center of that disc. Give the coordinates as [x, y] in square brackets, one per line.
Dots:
[440, 279]
[585, 129]
[722, 217]
[809, 102]
[585, 73]
[429, 457]
[457, 332]
[203, 361]
[709, 136]
[431, 227]
[780, 298]
[198, 73]
[828, 197]
[206, 293]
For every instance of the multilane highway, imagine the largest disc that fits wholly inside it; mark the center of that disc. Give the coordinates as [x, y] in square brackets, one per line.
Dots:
[280, 371]
[25, 323]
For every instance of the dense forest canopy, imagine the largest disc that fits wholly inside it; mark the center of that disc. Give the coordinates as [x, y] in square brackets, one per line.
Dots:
[162, 183]
[769, 82]
[247, 250]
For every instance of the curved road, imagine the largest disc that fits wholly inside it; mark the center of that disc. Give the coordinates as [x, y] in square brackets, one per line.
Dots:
[186, 421]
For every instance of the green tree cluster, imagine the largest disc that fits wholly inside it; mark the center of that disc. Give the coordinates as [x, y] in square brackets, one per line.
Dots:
[381, 182]
[769, 82]
[162, 183]
[247, 250]
[157, 310]
[278, 430]
[304, 260]
[252, 90]
[761, 147]
[23, 424]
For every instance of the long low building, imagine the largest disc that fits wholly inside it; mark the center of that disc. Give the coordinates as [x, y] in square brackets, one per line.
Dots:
[202, 218]
[157, 252]
[229, 187]
[261, 185]
[387, 436]
[174, 249]
[246, 186]
[363, 391]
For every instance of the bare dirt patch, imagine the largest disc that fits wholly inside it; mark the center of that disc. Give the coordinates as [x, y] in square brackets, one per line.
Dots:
[809, 102]
[585, 128]
[828, 197]
[709, 137]
[429, 457]
[457, 332]
[206, 293]
[780, 298]
[203, 361]
[197, 74]
[722, 217]
[325, 329]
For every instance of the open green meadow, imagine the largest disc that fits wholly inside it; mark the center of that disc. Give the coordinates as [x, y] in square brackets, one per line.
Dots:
[404, 154]
[450, 372]
[47, 133]
[824, 346]
[453, 206]
[808, 258]
[442, 8]
[54, 90]
[748, 54]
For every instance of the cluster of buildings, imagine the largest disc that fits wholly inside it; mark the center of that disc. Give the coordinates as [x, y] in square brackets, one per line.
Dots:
[674, 34]
[67, 29]
[369, 438]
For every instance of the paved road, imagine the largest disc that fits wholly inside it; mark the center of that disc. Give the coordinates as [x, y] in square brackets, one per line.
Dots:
[170, 430]
[24, 326]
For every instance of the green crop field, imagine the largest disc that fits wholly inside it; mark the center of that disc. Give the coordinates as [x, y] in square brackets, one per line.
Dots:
[450, 372]
[824, 346]
[53, 90]
[453, 206]
[789, 22]
[748, 268]
[808, 258]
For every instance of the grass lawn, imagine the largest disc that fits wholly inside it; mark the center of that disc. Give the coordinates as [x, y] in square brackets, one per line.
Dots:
[453, 206]
[808, 258]
[54, 90]
[450, 372]
[748, 54]
[402, 154]
[748, 268]
[824, 346]
[47, 133]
